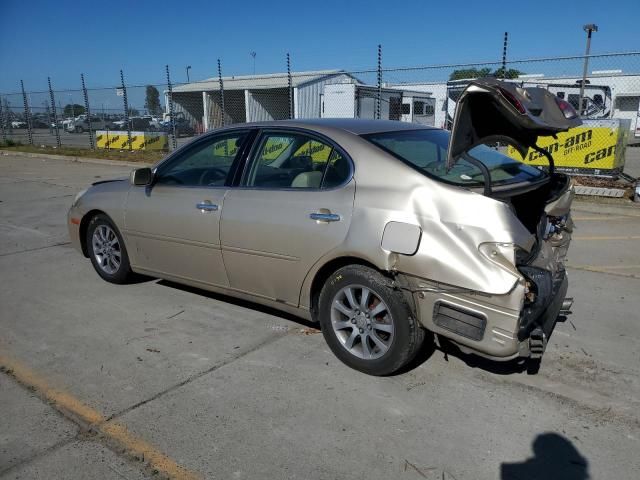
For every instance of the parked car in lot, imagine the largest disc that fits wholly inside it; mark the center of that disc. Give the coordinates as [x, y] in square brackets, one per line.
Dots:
[66, 122]
[38, 123]
[154, 123]
[182, 128]
[118, 124]
[18, 124]
[81, 124]
[138, 124]
[381, 231]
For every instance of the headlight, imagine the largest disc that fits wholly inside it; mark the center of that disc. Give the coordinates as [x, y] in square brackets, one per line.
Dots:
[78, 196]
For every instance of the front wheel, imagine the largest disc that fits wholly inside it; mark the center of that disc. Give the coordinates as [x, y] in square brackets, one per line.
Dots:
[367, 323]
[107, 251]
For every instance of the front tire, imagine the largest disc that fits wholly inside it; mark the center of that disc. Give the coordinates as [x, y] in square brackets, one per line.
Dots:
[107, 251]
[368, 323]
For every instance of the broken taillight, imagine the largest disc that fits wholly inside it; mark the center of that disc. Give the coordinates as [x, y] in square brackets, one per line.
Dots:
[567, 109]
[513, 100]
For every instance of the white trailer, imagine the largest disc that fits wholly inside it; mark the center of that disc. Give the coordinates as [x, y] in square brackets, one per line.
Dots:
[418, 107]
[348, 100]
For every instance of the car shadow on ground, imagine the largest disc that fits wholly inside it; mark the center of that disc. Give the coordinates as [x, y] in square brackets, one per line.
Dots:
[426, 351]
[554, 456]
[492, 366]
[240, 303]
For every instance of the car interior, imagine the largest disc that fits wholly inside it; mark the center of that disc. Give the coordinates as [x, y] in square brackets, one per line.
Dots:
[281, 161]
[296, 161]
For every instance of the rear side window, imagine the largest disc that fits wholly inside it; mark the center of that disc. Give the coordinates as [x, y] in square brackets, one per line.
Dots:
[296, 160]
[426, 150]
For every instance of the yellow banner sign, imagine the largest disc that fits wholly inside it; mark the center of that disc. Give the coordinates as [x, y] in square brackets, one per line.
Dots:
[119, 140]
[591, 147]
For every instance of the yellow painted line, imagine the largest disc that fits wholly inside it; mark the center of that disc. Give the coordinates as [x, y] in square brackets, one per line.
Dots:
[608, 267]
[114, 433]
[601, 219]
[590, 268]
[618, 267]
[604, 237]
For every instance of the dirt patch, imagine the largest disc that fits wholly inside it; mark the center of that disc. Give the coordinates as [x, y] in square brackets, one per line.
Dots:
[123, 155]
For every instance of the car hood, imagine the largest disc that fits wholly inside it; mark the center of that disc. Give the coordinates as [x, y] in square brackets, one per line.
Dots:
[490, 110]
[122, 179]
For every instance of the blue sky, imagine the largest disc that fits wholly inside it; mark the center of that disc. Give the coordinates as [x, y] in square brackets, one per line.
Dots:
[63, 38]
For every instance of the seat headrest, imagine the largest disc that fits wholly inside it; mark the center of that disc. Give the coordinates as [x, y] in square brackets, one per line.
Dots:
[307, 180]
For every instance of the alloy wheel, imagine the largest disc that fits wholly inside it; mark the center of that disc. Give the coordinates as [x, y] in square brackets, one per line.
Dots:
[362, 322]
[106, 249]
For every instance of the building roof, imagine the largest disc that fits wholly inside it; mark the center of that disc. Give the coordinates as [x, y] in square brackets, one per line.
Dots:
[258, 82]
[357, 126]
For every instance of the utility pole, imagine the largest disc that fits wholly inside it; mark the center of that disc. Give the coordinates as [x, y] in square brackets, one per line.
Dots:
[589, 28]
[253, 55]
[188, 68]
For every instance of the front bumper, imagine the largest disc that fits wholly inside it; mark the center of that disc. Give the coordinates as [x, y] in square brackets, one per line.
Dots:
[73, 223]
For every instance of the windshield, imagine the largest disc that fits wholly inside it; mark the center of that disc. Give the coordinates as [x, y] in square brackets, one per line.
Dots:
[426, 150]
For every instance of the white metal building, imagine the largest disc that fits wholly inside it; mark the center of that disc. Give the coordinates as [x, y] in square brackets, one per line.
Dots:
[251, 98]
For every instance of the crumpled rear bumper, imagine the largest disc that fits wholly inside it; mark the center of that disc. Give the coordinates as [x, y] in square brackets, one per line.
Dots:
[499, 327]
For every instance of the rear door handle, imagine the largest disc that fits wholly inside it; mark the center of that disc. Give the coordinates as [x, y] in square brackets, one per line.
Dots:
[206, 206]
[325, 217]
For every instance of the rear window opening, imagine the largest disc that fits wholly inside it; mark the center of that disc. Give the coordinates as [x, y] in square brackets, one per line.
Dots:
[426, 151]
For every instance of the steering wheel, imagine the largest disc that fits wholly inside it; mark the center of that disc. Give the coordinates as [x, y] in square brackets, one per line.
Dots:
[171, 178]
[205, 177]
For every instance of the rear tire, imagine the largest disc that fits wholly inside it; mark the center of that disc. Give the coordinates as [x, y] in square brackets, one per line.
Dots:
[107, 250]
[368, 323]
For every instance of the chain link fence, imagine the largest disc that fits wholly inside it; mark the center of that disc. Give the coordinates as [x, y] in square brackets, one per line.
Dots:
[162, 116]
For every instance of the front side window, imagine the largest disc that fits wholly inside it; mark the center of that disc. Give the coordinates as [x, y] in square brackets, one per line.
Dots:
[295, 160]
[205, 165]
[426, 150]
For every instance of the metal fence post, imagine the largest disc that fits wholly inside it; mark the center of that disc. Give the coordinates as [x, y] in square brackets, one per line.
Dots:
[290, 85]
[221, 90]
[53, 111]
[27, 115]
[88, 111]
[379, 95]
[174, 143]
[126, 108]
[2, 122]
[504, 56]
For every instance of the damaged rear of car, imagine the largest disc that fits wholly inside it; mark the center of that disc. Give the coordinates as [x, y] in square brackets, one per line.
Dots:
[487, 271]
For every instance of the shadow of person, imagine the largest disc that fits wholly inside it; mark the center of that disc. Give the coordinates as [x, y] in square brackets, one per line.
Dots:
[555, 457]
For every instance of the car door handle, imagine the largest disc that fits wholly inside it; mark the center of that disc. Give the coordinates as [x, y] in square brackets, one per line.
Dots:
[325, 217]
[206, 207]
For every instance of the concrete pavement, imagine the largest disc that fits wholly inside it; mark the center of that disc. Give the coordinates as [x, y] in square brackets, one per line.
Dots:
[227, 389]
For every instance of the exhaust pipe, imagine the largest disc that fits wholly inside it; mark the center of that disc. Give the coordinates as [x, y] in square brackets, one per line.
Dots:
[565, 309]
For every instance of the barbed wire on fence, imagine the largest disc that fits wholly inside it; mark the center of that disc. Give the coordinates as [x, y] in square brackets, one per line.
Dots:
[165, 115]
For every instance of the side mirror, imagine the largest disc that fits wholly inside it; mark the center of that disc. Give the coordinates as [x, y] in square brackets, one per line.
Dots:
[141, 176]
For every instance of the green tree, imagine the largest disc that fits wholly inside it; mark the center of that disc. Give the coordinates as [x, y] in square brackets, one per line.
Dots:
[73, 110]
[483, 72]
[152, 101]
[469, 73]
[511, 73]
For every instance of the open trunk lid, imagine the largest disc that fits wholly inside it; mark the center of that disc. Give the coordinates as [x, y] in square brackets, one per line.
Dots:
[490, 110]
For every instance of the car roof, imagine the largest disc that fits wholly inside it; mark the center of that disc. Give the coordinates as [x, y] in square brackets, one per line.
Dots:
[357, 126]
